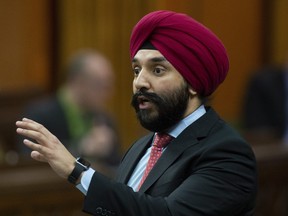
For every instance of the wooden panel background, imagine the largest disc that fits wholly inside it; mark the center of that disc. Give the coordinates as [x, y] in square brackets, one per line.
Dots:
[25, 45]
[279, 32]
[30, 49]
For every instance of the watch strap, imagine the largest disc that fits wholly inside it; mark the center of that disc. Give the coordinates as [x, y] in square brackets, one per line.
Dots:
[77, 171]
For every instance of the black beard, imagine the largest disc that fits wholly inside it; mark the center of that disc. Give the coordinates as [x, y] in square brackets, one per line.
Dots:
[170, 107]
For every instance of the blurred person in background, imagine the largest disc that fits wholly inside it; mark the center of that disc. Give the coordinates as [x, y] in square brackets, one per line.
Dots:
[265, 108]
[76, 113]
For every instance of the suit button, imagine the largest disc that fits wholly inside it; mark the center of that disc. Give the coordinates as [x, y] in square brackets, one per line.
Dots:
[99, 210]
[104, 212]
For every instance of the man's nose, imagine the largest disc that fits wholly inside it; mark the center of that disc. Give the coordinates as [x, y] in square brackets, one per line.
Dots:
[141, 81]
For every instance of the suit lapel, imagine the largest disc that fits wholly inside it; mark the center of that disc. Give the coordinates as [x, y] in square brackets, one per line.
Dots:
[172, 152]
[132, 158]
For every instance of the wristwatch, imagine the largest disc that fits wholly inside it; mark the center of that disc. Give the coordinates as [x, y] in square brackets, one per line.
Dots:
[81, 165]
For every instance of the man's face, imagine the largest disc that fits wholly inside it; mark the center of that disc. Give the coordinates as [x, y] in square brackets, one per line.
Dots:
[161, 95]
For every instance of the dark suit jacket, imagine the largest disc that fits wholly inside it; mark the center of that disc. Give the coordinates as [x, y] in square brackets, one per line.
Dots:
[264, 102]
[207, 170]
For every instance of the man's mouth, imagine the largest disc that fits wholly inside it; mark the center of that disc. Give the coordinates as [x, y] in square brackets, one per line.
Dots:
[144, 103]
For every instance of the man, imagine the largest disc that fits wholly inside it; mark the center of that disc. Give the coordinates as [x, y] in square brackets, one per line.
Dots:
[265, 116]
[76, 113]
[205, 169]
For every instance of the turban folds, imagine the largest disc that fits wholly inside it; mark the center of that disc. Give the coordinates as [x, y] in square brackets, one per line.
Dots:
[194, 50]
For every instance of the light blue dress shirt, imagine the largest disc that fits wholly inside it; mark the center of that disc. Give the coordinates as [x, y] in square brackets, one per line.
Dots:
[140, 168]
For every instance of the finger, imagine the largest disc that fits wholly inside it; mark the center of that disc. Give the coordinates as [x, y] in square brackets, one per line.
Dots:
[38, 156]
[27, 120]
[39, 137]
[35, 130]
[31, 125]
[34, 146]
[35, 154]
[24, 120]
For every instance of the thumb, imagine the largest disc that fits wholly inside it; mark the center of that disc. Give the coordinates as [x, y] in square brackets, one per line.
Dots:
[38, 156]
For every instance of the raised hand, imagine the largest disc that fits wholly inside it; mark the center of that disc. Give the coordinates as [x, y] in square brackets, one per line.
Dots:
[46, 147]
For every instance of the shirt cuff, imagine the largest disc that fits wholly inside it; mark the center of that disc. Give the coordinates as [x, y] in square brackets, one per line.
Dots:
[85, 181]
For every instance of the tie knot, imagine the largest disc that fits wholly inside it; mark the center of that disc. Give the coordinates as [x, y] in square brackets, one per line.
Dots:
[162, 140]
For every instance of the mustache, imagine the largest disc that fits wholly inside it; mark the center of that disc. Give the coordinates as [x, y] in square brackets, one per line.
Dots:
[152, 97]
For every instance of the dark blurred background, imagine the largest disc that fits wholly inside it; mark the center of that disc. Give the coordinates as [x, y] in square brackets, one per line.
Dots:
[38, 36]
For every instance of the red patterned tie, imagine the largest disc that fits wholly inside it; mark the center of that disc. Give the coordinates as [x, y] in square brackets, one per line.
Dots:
[161, 140]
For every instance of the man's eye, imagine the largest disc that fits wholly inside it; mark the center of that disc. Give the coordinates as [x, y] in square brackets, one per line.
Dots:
[158, 70]
[136, 70]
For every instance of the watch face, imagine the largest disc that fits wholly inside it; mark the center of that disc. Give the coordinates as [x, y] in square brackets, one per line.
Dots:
[83, 162]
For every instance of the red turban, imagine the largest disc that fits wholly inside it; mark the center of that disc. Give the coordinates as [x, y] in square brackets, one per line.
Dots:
[194, 50]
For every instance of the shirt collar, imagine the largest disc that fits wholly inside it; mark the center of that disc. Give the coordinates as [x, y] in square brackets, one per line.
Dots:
[184, 123]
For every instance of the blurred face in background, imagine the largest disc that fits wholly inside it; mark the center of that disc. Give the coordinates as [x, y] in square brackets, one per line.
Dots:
[95, 84]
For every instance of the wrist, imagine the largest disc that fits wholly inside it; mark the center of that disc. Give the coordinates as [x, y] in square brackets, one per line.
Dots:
[80, 166]
[71, 167]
